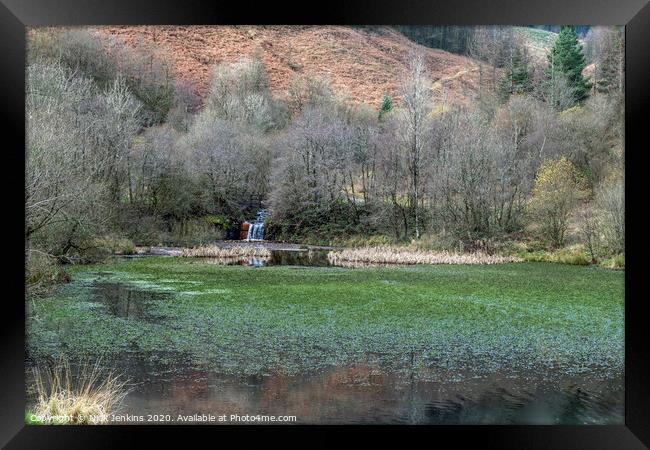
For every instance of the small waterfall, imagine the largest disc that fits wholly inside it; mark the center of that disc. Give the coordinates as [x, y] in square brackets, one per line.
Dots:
[256, 229]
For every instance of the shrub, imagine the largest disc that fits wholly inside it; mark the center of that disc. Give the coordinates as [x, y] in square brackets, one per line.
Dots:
[558, 188]
[617, 262]
[536, 256]
[115, 244]
[222, 222]
[575, 255]
[101, 247]
[42, 272]
[142, 229]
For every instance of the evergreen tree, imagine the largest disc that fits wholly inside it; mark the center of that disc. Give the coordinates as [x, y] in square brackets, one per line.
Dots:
[386, 106]
[566, 60]
[517, 77]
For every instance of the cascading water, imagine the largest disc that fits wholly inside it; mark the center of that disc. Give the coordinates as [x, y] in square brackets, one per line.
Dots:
[256, 229]
[256, 232]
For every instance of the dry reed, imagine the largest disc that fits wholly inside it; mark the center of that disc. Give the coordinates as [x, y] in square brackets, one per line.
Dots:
[401, 255]
[89, 399]
[213, 251]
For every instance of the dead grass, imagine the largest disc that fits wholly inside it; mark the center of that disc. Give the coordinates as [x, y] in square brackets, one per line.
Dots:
[362, 65]
[213, 251]
[88, 399]
[404, 255]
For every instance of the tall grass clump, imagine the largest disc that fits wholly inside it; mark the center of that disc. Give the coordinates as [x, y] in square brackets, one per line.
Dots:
[213, 251]
[87, 399]
[404, 255]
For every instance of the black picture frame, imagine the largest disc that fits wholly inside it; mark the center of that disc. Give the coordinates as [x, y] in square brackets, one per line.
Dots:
[15, 15]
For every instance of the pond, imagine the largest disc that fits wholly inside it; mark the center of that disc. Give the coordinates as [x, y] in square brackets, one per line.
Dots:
[196, 338]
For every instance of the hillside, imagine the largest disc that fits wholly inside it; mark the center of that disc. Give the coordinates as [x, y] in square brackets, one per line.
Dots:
[538, 41]
[361, 64]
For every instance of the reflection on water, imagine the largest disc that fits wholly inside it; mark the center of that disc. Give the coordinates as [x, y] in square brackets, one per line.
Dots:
[127, 302]
[363, 394]
[257, 261]
[295, 257]
[301, 257]
[311, 258]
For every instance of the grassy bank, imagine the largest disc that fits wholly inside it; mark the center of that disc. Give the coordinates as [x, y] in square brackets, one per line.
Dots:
[293, 320]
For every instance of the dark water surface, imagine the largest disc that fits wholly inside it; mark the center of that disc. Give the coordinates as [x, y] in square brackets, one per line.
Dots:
[363, 394]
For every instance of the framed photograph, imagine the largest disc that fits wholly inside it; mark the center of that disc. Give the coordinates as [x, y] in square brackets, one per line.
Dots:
[412, 216]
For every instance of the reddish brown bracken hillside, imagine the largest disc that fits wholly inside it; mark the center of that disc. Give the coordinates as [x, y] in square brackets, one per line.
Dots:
[362, 65]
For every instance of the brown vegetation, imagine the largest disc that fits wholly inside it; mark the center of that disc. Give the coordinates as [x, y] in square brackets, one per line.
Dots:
[361, 64]
[402, 255]
[213, 251]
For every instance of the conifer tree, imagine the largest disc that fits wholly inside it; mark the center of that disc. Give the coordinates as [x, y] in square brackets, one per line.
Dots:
[386, 106]
[517, 77]
[566, 60]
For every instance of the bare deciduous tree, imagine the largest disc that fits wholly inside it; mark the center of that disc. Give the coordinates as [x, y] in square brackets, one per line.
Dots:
[611, 200]
[77, 137]
[416, 97]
